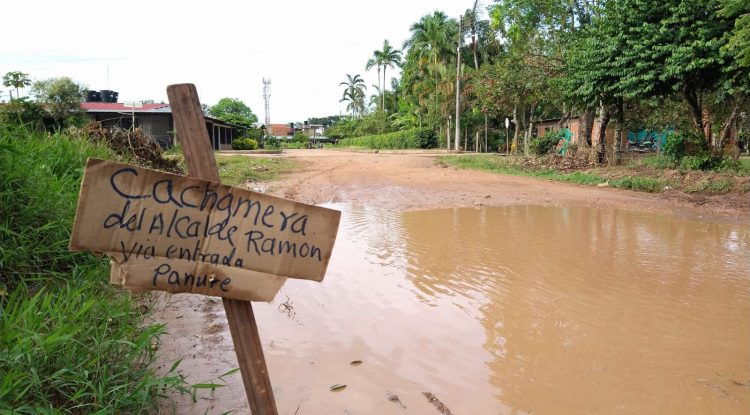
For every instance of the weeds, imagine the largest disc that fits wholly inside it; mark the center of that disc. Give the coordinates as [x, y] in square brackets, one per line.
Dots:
[639, 183]
[69, 343]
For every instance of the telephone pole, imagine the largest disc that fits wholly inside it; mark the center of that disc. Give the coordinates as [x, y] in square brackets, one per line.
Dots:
[458, 83]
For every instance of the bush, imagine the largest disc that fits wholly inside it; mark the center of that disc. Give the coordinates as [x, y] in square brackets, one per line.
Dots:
[300, 137]
[414, 138]
[22, 112]
[546, 144]
[271, 142]
[244, 144]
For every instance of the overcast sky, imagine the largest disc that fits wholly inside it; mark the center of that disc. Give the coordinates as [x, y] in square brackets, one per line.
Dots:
[139, 47]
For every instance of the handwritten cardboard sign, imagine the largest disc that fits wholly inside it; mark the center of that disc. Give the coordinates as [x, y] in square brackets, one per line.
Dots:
[181, 234]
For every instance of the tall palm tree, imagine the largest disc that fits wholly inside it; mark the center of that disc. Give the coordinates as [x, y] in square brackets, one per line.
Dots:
[389, 57]
[376, 60]
[354, 93]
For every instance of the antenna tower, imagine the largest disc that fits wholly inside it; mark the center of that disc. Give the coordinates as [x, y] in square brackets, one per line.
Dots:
[267, 99]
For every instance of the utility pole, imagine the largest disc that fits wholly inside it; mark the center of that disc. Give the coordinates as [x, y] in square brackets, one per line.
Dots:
[458, 82]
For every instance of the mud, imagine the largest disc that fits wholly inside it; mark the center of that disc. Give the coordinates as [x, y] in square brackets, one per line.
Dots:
[535, 297]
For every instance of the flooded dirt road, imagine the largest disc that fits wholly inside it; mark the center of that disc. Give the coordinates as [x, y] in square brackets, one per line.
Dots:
[508, 309]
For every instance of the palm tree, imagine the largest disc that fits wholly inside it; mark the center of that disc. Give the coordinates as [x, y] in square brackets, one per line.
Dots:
[389, 57]
[354, 93]
[16, 80]
[432, 37]
[376, 60]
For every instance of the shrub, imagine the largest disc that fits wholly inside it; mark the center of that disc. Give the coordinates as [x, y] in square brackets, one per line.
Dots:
[545, 144]
[244, 144]
[271, 142]
[300, 137]
[22, 112]
[414, 138]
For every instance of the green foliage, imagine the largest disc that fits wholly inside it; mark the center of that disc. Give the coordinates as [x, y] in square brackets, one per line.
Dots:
[545, 144]
[254, 133]
[325, 121]
[62, 98]
[238, 170]
[511, 165]
[69, 342]
[300, 137]
[244, 144]
[739, 37]
[234, 111]
[709, 186]
[689, 151]
[639, 183]
[271, 142]
[354, 94]
[22, 112]
[370, 124]
[415, 138]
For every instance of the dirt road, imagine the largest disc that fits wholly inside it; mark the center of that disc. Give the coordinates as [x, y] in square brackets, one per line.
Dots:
[197, 326]
[417, 181]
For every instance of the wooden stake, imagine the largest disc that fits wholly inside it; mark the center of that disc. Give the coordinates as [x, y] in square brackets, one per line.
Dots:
[200, 161]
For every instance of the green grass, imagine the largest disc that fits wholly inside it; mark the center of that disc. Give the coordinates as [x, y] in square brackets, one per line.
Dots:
[236, 170]
[640, 183]
[506, 165]
[69, 342]
[709, 186]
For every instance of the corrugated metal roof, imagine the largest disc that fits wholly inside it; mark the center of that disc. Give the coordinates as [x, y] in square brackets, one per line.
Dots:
[119, 107]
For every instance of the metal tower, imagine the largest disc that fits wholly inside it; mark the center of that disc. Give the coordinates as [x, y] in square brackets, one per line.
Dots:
[267, 99]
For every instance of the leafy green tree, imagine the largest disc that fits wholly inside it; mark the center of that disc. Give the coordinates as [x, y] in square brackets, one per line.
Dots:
[62, 97]
[739, 37]
[233, 110]
[16, 79]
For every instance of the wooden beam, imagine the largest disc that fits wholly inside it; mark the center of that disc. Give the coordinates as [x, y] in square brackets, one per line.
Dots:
[199, 158]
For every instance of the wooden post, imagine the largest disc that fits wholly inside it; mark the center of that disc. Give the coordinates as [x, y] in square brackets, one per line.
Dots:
[200, 161]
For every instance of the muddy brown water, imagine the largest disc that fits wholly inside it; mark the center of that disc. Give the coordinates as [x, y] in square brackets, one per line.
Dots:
[516, 310]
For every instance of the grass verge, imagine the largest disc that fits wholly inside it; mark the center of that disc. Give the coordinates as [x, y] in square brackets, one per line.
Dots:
[69, 342]
[237, 170]
[649, 174]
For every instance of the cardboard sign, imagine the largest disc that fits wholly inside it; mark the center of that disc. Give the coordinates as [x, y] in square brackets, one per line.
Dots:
[181, 234]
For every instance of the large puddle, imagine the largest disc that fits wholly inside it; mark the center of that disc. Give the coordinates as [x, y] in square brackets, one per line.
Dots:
[518, 310]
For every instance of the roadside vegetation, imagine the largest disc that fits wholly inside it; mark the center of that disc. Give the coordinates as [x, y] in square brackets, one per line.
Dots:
[69, 342]
[650, 173]
[588, 67]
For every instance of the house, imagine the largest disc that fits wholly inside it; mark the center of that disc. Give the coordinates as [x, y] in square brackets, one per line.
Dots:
[156, 120]
[575, 126]
[280, 130]
[313, 130]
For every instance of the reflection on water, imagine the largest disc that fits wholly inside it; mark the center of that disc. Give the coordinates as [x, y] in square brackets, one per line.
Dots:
[524, 310]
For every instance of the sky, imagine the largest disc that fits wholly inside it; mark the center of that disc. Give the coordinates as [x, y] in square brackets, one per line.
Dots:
[225, 48]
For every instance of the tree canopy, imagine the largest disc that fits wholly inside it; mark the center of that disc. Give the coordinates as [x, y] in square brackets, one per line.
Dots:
[62, 97]
[234, 111]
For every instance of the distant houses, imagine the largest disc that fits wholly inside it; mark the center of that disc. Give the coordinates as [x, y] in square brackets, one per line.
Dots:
[286, 131]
